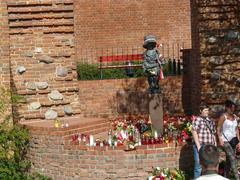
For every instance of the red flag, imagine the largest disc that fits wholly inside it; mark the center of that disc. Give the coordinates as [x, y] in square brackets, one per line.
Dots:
[161, 76]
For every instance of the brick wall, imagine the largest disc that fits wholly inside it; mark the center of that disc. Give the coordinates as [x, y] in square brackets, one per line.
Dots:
[42, 57]
[124, 23]
[53, 154]
[4, 52]
[4, 46]
[191, 65]
[42, 50]
[218, 43]
[110, 97]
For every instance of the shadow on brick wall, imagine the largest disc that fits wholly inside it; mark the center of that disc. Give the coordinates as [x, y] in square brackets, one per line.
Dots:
[133, 97]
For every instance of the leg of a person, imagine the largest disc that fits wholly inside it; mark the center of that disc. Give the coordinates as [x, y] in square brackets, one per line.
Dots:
[197, 167]
[157, 81]
[227, 166]
[156, 84]
[150, 82]
[231, 159]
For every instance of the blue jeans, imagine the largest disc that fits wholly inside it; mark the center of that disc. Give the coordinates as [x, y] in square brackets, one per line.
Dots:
[197, 167]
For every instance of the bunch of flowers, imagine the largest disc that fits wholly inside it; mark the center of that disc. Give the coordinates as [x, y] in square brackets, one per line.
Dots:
[186, 127]
[178, 127]
[133, 130]
[137, 130]
[166, 174]
[123, 133]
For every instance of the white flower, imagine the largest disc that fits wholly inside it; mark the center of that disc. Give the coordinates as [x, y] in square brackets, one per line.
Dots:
[131, 146]
[164, 175]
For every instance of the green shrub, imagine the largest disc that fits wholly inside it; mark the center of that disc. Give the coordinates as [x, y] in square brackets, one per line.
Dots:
[13, 148]
[88, 71]
[14, 144]
[91, 72]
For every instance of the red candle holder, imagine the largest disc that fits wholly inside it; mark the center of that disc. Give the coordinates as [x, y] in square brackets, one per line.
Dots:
[160, 141]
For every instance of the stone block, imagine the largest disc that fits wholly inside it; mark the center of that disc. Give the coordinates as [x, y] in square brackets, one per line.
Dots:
[55, 95]
[51, 114]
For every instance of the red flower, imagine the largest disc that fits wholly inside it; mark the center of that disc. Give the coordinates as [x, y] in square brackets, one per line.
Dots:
[184, 134]
[162, 178]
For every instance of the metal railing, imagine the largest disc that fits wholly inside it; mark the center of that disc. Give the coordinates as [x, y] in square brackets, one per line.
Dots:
[171, 53]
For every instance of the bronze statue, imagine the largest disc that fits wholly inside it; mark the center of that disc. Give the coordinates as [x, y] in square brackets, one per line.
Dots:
[152, 63]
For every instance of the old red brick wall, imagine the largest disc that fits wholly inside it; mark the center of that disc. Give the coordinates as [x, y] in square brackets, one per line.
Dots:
[216, 52]
[192, 70]
[42, 57]
[4, 55]
[102, 98]
[124, 23]
[220, 52]
[42, 48]
[4, 46]
[53, 154]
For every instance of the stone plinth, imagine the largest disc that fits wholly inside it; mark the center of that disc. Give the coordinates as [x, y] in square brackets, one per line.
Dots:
[156, 112]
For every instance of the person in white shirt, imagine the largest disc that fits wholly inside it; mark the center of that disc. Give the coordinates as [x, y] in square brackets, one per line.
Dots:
[209, 160]
[228, 135]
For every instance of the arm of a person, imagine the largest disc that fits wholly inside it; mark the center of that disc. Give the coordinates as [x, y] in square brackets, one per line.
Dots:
[219, 130]
[195, 138]
[215, 131]
[237, 134]
[238, 114]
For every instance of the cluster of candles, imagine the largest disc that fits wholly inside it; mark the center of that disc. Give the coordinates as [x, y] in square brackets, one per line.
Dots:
[161, 139]
[122, 137]
[80, 138]
[88, 140]
[58, 123]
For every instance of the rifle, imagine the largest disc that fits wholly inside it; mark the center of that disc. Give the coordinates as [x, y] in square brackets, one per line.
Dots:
[158, 60]
[161, 76]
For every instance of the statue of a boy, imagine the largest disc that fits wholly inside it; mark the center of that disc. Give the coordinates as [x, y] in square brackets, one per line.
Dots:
[151, 63]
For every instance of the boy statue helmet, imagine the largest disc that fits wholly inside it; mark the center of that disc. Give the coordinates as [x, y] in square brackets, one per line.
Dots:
[148, 39]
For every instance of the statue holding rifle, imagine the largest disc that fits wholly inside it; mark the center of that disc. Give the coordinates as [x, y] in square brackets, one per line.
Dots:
[152, 63]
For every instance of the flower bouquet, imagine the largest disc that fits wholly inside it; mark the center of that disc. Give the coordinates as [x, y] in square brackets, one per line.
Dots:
[130, 146]
[186, 128]
[166, 174]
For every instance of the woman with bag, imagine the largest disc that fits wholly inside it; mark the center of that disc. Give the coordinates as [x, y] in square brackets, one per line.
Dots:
[228, 136]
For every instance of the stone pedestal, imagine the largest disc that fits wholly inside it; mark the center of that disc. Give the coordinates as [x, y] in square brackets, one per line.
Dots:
[156, 112]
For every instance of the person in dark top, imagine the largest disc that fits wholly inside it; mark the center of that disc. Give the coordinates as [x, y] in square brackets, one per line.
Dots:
[209, 160]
